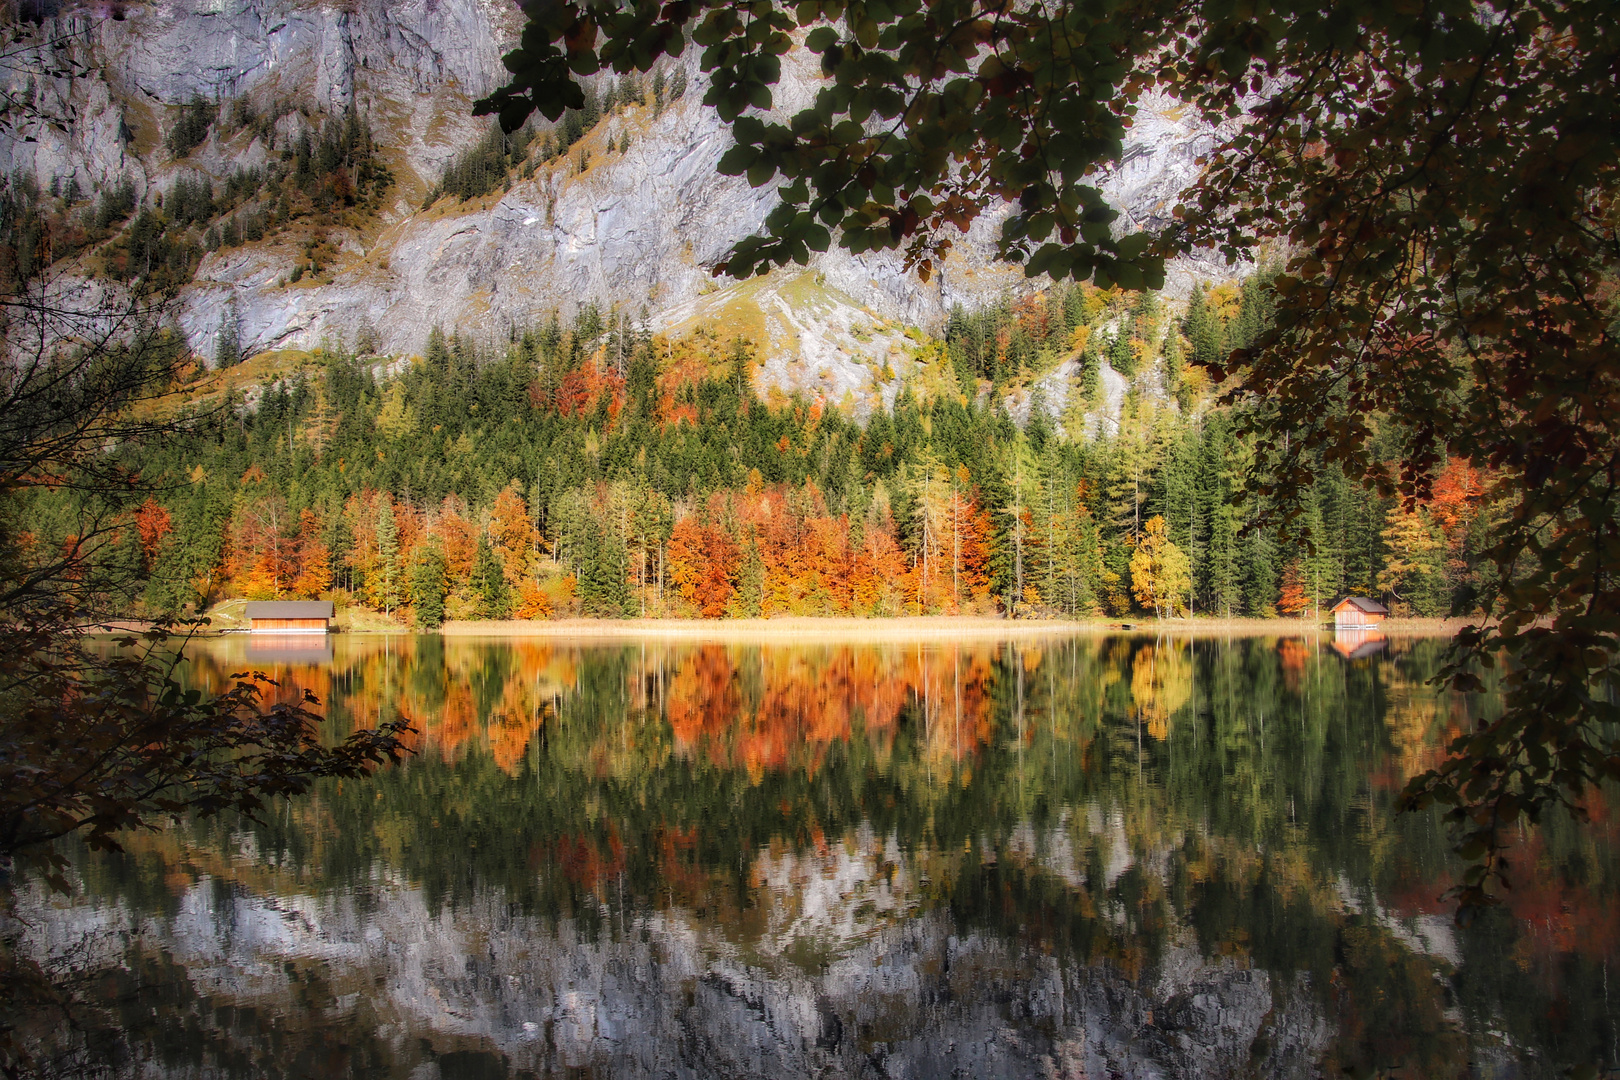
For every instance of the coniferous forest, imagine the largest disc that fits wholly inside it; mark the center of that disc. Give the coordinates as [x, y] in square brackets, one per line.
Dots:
[585, 467]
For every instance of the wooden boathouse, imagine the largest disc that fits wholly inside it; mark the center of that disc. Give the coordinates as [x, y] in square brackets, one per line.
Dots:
[290, 616]
[1358, 613]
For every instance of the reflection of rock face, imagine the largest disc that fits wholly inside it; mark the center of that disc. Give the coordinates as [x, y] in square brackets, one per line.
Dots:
[664, 994]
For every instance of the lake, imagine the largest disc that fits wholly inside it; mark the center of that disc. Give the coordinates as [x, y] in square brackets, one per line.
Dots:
[1099, 856]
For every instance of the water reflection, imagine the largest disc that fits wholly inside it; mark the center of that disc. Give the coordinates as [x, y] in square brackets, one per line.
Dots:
[1358, 643]
[1098, 856]
[289, 648]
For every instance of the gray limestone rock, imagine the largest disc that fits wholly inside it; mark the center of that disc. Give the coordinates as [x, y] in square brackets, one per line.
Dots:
[640, 229]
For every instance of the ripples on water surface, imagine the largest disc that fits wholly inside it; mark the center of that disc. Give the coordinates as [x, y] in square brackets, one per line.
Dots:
[1062, 857]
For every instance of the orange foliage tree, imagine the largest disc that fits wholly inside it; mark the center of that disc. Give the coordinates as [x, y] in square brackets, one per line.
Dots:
[314, 560]
[258, 558]
[152, 524]
[513, 536]
[1295, 600]
[703, 565]
[458, 537]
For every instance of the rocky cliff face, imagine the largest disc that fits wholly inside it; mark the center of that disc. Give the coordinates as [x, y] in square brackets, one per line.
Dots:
[638, 229]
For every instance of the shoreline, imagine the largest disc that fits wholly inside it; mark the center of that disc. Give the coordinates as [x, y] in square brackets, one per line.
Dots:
[854, 629]
[913, 628]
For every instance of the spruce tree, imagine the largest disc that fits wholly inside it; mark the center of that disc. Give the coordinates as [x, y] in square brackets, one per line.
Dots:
[228, 339]
[1203, 328]
[1260, 580]
[1224, 561]
[428, 586]
[1175, 368]
[1090, 370]
[490, 583]
[604, 588]
[1120, 356]
[387, 555]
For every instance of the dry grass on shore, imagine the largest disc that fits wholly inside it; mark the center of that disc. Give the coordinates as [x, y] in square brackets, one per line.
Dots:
[913, 628]
[923, 628]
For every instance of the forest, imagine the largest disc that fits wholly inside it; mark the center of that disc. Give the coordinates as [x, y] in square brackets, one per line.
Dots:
[587, 467]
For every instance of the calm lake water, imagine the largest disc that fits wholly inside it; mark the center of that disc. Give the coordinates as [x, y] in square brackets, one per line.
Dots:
[1092, 856]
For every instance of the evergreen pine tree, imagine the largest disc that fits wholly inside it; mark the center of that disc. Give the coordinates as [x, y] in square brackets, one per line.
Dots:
[387, 555]
[1120, 356]
[1090, 371]
[228, 339]
[490, 583]
[1224, 562]
[428, 586]
[1203, 329]
[604, 588]
[1261, 577]
[1175, 367]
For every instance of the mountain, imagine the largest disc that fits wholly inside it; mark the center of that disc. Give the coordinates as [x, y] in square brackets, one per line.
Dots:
[635, 228]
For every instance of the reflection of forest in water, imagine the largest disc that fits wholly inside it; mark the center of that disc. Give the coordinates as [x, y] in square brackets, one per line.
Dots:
[1065, 858]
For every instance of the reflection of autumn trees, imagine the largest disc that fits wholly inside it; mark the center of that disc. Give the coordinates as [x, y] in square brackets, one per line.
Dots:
[1161, 684]
[1097, 797]
[456, 700]
[770, 710]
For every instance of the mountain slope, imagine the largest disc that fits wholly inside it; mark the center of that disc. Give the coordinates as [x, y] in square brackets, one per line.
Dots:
[636, 228]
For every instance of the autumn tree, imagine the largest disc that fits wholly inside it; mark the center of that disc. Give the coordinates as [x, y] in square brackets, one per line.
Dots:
[1414, 574]
[1160, 575]
[512, 534]
[314, 560]
[877, 567]
[1294, 599]
[703, 564]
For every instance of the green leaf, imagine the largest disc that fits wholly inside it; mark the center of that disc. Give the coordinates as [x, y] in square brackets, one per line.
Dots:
[738, 160]
[821, 39]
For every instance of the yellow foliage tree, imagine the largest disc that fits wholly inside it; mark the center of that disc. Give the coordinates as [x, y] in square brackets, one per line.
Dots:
[1160, 574]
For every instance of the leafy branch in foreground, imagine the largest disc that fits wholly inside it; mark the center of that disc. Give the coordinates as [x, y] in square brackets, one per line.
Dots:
[100, 744]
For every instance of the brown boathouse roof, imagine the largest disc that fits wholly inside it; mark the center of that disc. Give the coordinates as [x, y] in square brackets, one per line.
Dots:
[290, 609]
[1362, 603]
